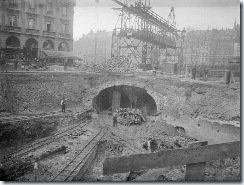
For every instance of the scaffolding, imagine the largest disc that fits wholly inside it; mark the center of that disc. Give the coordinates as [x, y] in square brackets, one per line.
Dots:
[144, 37]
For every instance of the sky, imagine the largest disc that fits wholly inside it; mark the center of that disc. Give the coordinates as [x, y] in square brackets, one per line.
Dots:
[196, 14]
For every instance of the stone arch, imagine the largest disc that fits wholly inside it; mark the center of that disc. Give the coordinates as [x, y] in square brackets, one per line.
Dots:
[31, 45]
[48, 45]
[157, 97]
[12, 42]
[63, 46]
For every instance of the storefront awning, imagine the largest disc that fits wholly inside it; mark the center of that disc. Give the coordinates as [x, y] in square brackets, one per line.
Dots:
[59, 54]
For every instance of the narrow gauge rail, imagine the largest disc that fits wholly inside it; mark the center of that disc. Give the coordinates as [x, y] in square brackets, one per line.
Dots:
[68, 172]
[43, 142]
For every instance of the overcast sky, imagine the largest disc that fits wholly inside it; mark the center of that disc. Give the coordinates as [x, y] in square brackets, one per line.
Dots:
[197, 14]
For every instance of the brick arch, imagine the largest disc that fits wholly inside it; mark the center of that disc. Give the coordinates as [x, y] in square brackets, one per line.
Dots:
[92, 93]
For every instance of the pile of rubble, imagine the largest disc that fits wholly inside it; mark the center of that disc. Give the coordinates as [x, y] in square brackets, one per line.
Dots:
[119, 64]
[127, 116]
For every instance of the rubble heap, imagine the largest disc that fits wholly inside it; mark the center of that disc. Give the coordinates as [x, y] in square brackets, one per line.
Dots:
[119, 64]
[127, 116]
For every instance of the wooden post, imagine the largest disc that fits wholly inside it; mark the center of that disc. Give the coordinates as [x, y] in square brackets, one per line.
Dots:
[173, 157]
[196, 171]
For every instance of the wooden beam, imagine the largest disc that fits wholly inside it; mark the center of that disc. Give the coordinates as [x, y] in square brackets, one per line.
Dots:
[196, 171]
[170, 158]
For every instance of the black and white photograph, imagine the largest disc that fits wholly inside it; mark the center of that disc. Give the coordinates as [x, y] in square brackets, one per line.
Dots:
[120, 91]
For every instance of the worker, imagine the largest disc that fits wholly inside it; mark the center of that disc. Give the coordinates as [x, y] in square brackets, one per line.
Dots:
[63, 104]
[194, 71]
[205, 70]
[115, 119]
[228, 76]
[36, 169]
[65, 64]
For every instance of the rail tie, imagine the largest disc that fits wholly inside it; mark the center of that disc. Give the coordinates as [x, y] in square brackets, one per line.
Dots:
[70, 171]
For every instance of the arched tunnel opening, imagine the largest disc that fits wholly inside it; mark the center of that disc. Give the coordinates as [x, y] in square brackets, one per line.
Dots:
[124, 96]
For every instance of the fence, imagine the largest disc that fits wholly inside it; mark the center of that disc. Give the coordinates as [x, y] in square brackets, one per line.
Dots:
[194, 157]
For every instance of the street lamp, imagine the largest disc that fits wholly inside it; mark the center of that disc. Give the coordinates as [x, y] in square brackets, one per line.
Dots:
[183, 35]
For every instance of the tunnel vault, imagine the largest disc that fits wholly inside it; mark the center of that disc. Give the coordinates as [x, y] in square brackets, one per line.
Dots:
[124, 94]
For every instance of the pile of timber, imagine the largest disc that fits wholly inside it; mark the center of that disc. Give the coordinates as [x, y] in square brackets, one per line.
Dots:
[127, 116]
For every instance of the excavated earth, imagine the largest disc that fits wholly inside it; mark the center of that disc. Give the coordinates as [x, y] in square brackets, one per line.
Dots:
[192, 111]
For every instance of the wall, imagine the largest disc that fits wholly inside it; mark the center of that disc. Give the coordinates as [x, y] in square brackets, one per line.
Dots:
[43, 91]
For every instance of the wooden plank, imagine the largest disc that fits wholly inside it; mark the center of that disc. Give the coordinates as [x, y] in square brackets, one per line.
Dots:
[170, 158]
[196, 172]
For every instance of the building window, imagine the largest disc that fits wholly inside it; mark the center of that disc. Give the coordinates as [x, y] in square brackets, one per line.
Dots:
[12, 2]
[31, 23]
[48, 26]
[64, 28]
[12, 20]
[32, 4]
[49, 7]
[64, 10]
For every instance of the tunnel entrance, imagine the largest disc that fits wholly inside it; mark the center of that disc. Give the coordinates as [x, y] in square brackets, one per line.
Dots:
[124, 96]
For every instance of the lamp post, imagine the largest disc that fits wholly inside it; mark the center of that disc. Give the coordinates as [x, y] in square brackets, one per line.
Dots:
[183, 35]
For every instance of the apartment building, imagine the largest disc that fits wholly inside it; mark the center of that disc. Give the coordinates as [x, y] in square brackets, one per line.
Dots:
[36, 26]
[214, 47]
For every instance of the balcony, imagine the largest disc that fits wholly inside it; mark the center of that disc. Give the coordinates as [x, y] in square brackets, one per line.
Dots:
[13, 29]
[73, 2]
[65, 35]
[32, 31]
[49, 33]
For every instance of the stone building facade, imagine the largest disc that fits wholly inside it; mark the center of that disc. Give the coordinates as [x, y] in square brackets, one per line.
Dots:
[36, 25]
[212, 47]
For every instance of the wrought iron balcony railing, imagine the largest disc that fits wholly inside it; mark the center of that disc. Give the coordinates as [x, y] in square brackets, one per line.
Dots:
[14, 29]
[49, 33]
[65, 35]
[32, 31]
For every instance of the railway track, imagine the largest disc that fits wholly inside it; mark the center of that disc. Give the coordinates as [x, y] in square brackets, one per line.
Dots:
[43, 142]
[79, 160]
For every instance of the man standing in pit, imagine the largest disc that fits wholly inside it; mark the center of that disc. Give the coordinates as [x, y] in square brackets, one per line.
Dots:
[36, 169]
[228, 76]
[115, 119]
[63, 104]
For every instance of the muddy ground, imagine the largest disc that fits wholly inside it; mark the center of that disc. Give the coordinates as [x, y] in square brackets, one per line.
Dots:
[185, 101]
[164, 136]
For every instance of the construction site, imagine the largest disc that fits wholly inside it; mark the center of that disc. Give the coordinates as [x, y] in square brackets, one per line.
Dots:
[124, 120]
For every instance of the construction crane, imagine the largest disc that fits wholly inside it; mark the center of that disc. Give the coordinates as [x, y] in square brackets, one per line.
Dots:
[144, 35]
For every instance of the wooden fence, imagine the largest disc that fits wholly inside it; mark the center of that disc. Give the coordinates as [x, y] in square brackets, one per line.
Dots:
[195, 157]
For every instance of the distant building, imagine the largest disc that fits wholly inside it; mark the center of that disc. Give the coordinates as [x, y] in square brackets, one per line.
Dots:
[94, 47]
[212, 47]
[34, 25]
